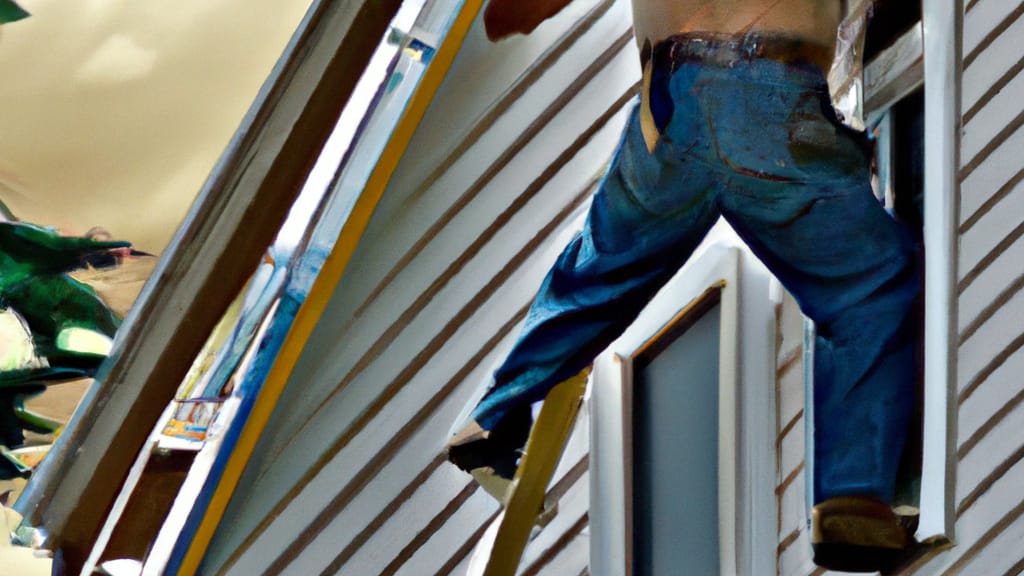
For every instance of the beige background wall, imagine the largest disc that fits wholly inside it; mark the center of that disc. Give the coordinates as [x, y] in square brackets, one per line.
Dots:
[112, 112]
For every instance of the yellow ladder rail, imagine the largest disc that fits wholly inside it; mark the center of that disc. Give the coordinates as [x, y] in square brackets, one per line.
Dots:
[543, 451]
[326, 282]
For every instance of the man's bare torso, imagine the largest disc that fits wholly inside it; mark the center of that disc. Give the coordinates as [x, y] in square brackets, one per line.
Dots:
[812, 20]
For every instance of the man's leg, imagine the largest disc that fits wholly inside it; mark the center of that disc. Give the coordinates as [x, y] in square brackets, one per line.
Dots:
[854, 272]
[799, 194]
[649, 214]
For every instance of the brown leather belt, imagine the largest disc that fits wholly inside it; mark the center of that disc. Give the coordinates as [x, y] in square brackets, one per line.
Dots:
[728, 49]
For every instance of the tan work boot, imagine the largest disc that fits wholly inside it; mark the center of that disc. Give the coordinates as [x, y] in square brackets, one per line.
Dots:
[858, 534]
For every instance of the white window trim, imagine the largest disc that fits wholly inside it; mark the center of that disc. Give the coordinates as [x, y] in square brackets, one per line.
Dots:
[941, 23]
[895, 73]
[747, 505]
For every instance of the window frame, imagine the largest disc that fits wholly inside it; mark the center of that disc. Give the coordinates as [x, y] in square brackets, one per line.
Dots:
[747, 427]
[942, 22]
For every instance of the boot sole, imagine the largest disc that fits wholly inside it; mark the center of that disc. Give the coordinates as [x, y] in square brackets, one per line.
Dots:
[851, 558]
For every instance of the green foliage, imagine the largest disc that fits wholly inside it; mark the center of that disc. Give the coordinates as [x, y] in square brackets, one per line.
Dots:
[11, 12]
[54, 311]
[5, 212]
[28, 250]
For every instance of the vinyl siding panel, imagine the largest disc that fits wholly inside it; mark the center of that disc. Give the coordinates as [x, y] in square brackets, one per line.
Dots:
[985, 124]
[794, 553]
[348, 478]
[986, 238]
[997, 56]
[982, 18]
[993, 171]
[980, 409]
[990, 446]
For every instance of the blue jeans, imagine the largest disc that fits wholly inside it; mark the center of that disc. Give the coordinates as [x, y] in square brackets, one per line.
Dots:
[756, 142]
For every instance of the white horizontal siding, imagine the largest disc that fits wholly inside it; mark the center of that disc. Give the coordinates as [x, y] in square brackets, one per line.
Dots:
[794, 557]
[985, 346]
[792, 449]
[468, 224]
[989, 527]
[997, 169]
[982, 18]
[988, 121]
[993, 62]
[791, 391]
[992, 505]
[542, 553]
[1001, 387]
[984, 239]
[993, 450]
[431, 557]
[349, 467]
